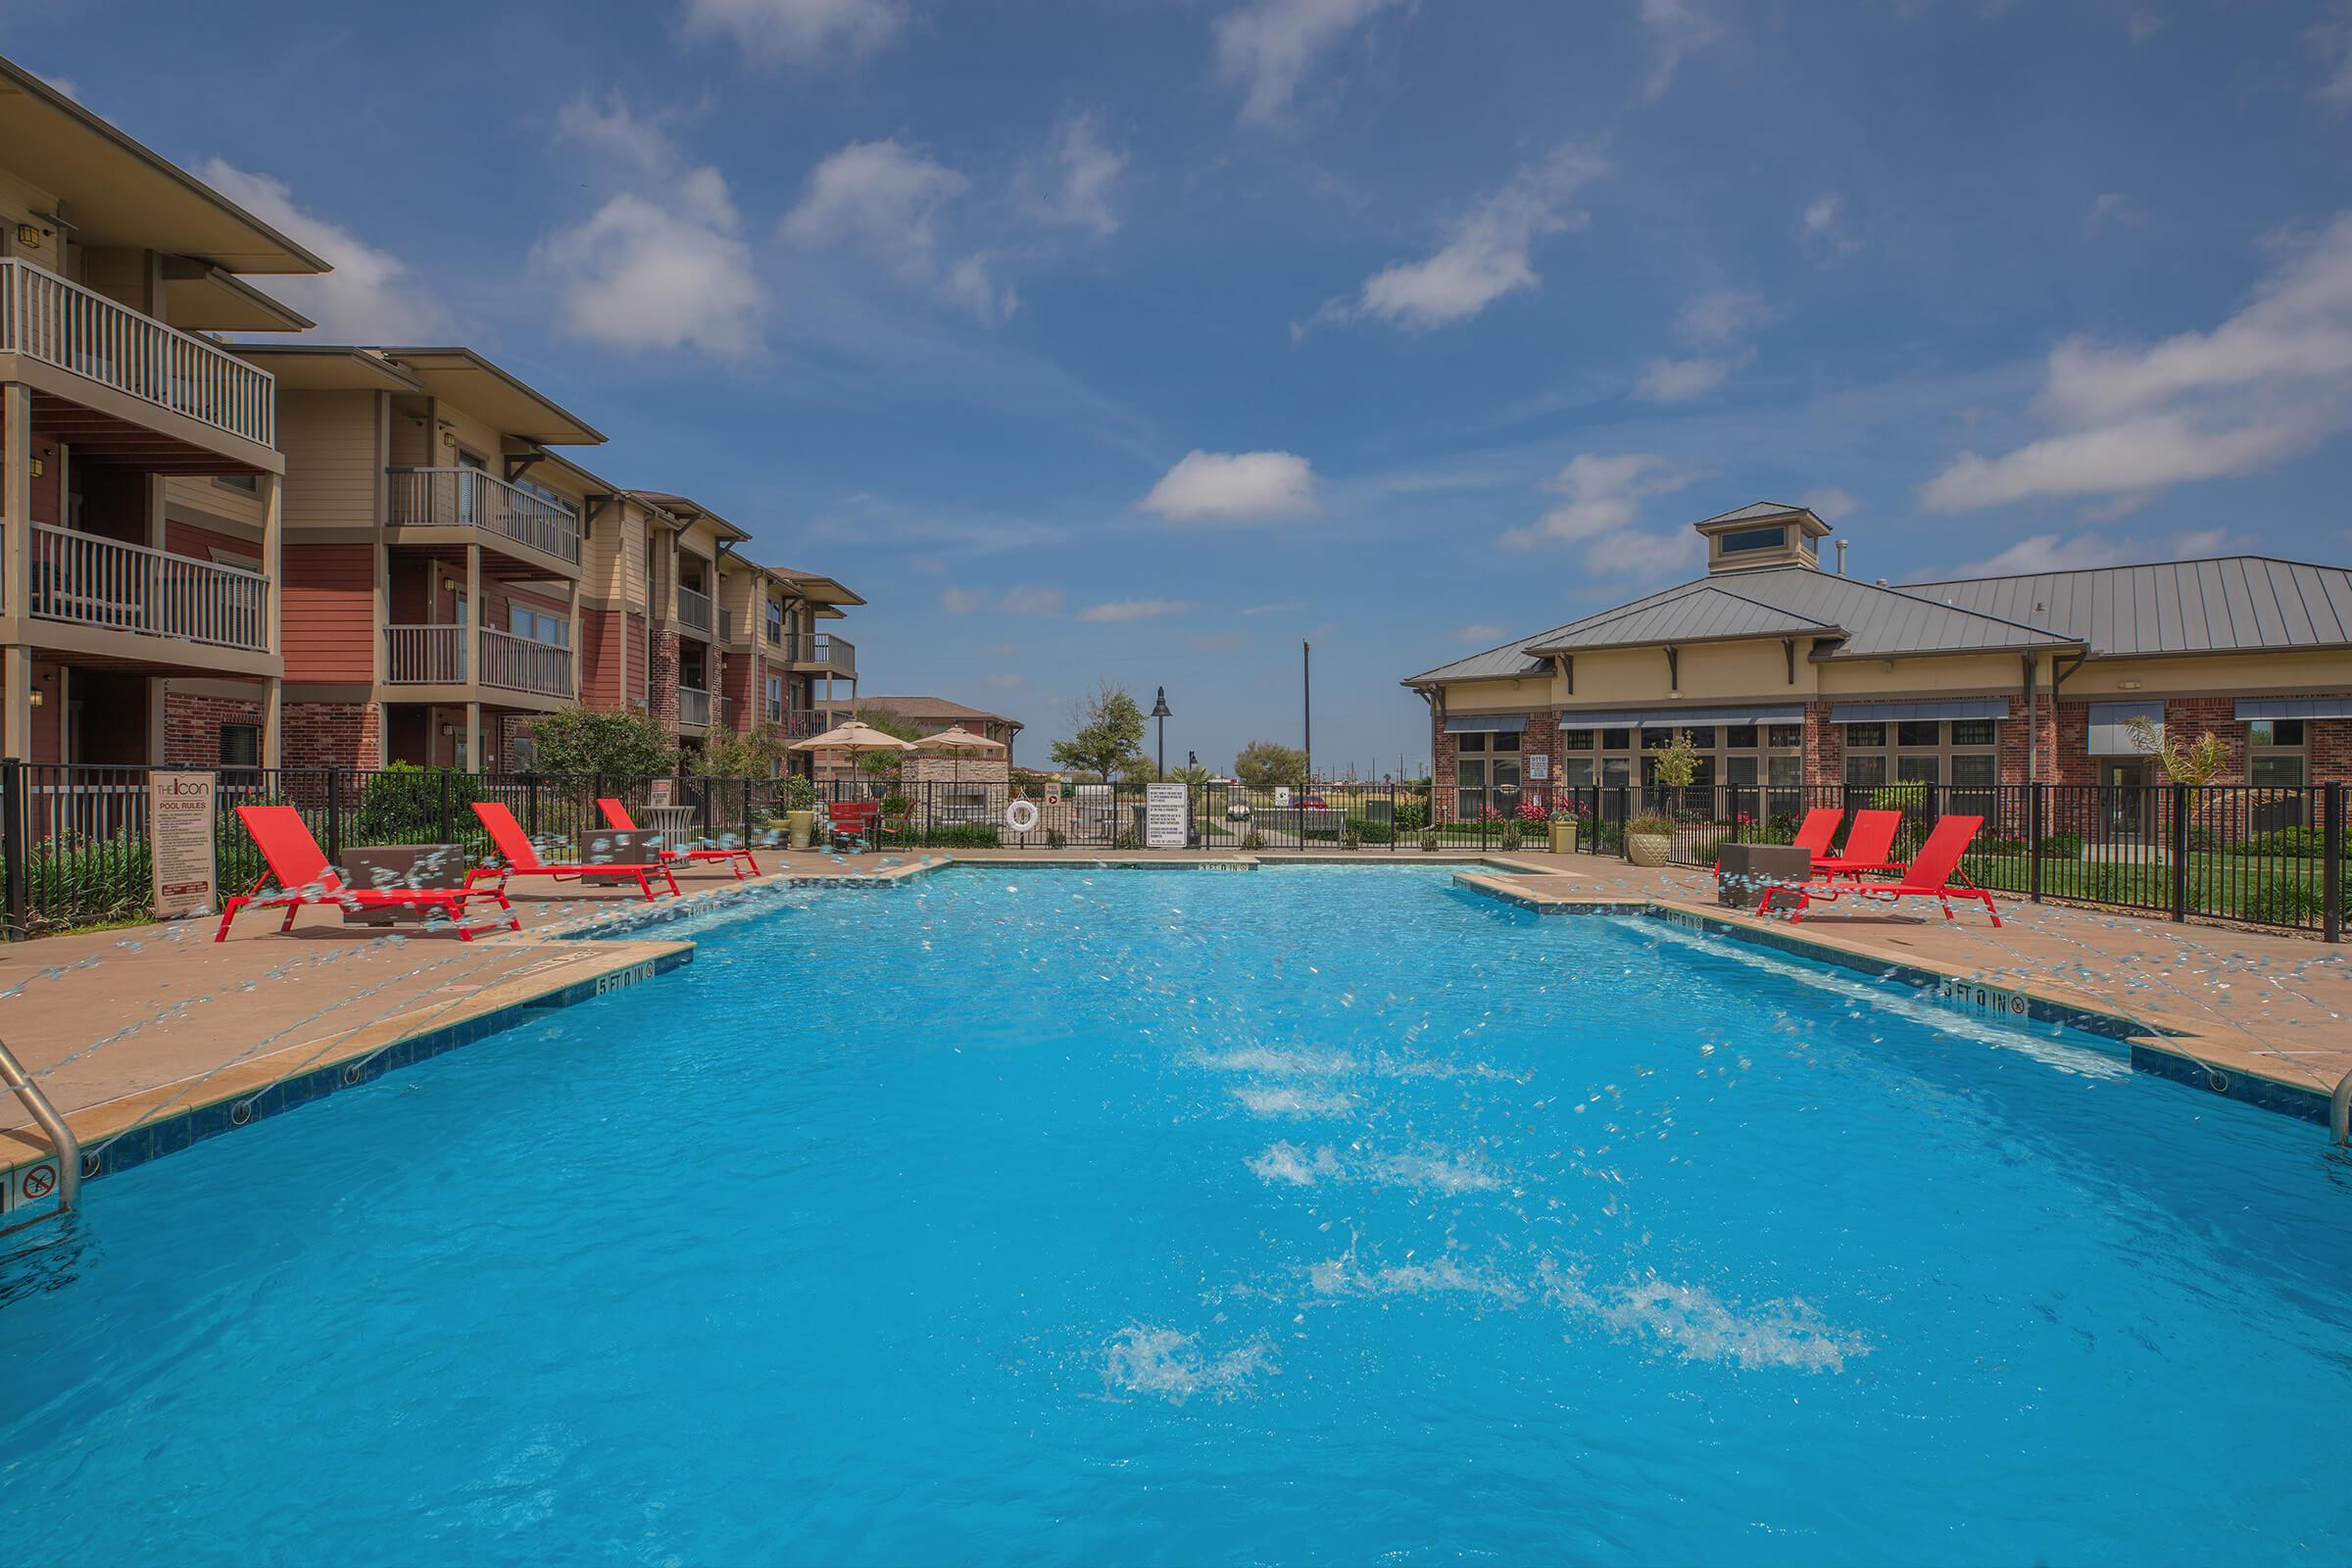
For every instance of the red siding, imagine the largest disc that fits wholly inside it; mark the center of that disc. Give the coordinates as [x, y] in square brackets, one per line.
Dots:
[329, 612]
[198, 544]
[599, 659]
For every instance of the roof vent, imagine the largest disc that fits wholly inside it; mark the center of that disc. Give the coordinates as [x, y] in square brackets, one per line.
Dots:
[1882, 582]
[1840, 558]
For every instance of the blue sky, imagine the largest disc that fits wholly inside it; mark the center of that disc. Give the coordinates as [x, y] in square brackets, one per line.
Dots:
[1143, 339]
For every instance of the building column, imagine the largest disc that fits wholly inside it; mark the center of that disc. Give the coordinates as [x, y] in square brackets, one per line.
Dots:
[16, 706]
[470, 636]
[273, 735]
[274, 564]
[474, 737]
[156, 507]
[16, 563]
[572, 634]
[159, 716]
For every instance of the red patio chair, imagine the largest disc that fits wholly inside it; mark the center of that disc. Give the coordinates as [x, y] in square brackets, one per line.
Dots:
[1870, 846]
[521, 857]
[1813, 835]
[617, 816]
[847, 820]
[1928, 876]
[299, 869]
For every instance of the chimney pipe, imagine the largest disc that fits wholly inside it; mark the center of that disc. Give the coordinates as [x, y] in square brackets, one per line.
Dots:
[1840, 558]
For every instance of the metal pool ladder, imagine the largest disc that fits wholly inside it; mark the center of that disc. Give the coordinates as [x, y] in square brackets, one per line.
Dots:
[2339, 1110]
[61, 1136]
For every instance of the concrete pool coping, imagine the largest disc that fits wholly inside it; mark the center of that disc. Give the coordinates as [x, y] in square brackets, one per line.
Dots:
[588, 942]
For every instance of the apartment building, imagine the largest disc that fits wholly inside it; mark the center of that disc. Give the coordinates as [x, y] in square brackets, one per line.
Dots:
[930, 714]
[782, 672]
[140, 475]
[1788, 674]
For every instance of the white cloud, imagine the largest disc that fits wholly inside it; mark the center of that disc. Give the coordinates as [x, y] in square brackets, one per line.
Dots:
[798, 32]
[1489, 254]
[2268, 381]
[1677, 28]
[368, 298]
[2331, 43]
[1006, 681]
[2111, 209]
[1072, 187]
[1478, 632]
[958, 600]
[1268, 46]
[1825, 226]
[1024, 599]
[1124, 610]
[1723, 316]
[1283, 608]
[661, 264]
[1002, 652]
[884, 200]
[1830, 504]
[1603, 509]
[2048, 552]
[1233, 487]
[63, 84]
[1681, 380]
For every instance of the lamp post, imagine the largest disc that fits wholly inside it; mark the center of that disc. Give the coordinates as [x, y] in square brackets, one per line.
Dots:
[1160, 710]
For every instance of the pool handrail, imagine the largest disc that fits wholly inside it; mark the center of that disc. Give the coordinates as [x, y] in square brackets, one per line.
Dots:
[61, 1136]
[2340, 1111]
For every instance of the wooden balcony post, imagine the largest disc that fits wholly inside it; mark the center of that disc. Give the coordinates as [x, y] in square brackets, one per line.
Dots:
[273, 551]
[15, 501]
[571, 615]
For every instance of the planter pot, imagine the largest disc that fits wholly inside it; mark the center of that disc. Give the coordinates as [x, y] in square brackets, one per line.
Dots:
[802, 826]
[1563, 838]
[1649, 848]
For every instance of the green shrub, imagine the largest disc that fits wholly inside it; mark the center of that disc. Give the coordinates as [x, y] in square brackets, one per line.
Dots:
[1369, 830]
[2062, 847]
[1350, 839]
[401, 804]
[85, 882]
[2290, 843]
[960, 836]
[1909, 797]
[1429, 839]
[1412, 815]
[1510, 838]
[1057, 839]
[1253, 840]
[800, 794]
[2282, 901]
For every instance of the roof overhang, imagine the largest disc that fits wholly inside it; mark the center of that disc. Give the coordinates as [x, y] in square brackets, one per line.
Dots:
[471, 382]
[325, 368]
[687, 510]
[201, 297]
[820, 590]
[117, 194]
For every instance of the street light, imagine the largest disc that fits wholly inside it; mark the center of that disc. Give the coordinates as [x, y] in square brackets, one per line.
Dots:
[1160, 710]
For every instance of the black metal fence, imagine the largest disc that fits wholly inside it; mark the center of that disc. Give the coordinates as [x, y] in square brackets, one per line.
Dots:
[76, 849]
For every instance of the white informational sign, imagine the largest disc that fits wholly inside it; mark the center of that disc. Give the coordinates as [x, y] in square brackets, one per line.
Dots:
[1163, 817]
[1539, 766]
[1052, 791]
[180, 824]
[662, 792]
[1282, 795]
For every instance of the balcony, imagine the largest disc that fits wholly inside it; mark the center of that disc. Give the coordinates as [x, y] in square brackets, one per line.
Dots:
[472, 498]
[694, 609]
[46, 319]
[86, 580]
[693, 707]
[819, 651]
[799, 723]
[435, 656]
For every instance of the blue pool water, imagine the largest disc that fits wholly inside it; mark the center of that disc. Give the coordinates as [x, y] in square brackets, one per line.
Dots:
[1288, 1216]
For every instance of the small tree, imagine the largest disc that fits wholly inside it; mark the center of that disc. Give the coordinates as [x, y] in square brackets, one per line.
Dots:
[1269, 765]
[1193, 776]
[1678, 763]
[579, 741]
[732, 754]
[2198, 763]
[1107, 734]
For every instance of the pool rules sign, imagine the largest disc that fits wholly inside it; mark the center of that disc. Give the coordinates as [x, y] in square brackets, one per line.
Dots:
[1163, 817]
[180, 824]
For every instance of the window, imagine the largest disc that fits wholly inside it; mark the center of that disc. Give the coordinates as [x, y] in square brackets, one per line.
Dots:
[1784, 737]
[1747, 539]
[1486, 774]
[1865, 770]
[1960, 752]
[1916, 732]
[1727, 753]
[1739, 738]
[249, 483]
[2274, 753]
[1865, 737]
[775, 622]
[240, 746]
[538, 626]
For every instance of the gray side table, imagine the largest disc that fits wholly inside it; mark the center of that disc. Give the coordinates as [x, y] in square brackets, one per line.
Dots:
[1745, 870]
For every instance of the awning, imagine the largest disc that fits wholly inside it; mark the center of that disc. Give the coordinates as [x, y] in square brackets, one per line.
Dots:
[1485, 723]
[1668, 718]
[2250, 708]
[1924, 708]
[2109, 737]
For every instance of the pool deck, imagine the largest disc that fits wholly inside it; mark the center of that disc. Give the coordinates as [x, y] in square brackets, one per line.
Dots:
[153, 1036]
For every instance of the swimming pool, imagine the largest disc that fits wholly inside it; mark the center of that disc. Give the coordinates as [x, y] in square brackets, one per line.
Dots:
[1288, 1215]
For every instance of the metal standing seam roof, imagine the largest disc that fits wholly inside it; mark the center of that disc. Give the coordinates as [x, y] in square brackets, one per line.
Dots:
[1707, 612]
[2233, 602]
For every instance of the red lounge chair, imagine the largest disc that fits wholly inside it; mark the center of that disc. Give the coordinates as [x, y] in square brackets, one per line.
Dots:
[1930, 875]
[521, 857]
[1868, 848]
[853, 819]
[616, 817]
[1813, 835]
[299, 869]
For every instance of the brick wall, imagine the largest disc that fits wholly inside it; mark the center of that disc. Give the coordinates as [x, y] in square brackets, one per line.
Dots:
[661, 680]
[332, 734]
[1824, 748]
[192, 726]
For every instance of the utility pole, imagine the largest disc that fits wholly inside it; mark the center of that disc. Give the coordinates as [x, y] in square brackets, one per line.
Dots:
[1306, 697]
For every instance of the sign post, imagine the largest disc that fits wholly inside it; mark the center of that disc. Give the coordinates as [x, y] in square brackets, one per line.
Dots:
[1163, 817]
[180, 824]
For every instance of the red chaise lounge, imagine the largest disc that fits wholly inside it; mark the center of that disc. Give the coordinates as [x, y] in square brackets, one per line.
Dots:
[521, 857]
[1870, 846]
[299, 869]
[1928, 876]
[617, 816]
[1813, 834]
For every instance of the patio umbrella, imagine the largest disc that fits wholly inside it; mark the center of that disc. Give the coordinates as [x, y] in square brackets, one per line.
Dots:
[956, 740]
[857, 737]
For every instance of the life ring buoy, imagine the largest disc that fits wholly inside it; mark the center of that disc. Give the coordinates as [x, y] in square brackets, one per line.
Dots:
[1021, 816]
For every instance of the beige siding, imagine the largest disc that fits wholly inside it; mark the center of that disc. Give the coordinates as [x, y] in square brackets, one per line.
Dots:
[329, 442]
[198, 496]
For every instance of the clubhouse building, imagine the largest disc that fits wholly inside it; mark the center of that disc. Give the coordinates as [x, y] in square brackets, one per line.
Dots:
[1788, 674]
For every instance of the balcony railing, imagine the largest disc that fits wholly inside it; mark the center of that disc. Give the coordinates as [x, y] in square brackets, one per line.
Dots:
[836, 654]
[694, 608]
[93, 581]
[694, 707]
[471, 498]
[44, 318]
[799, 723]
[424, 656]
[523, 664]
